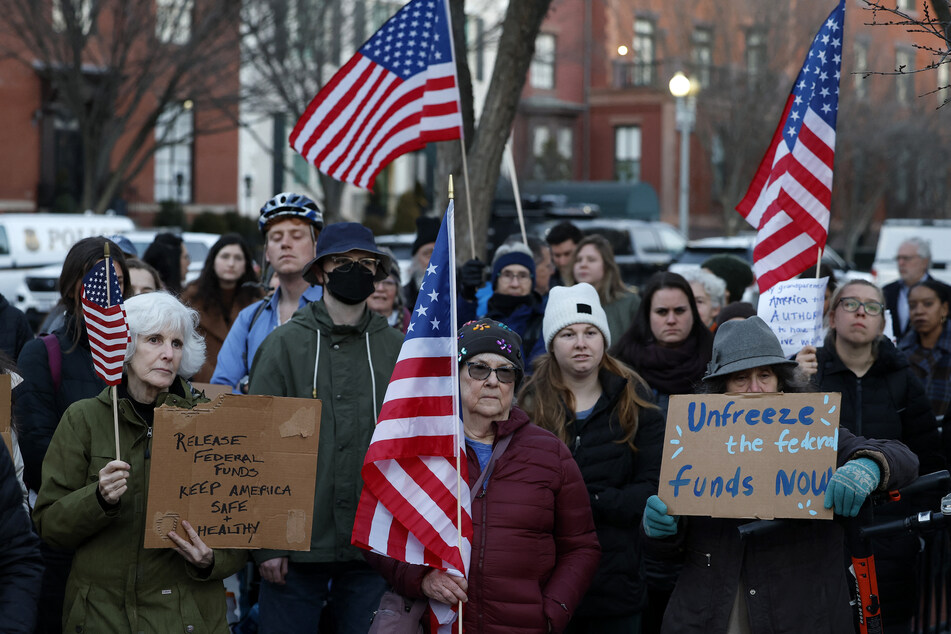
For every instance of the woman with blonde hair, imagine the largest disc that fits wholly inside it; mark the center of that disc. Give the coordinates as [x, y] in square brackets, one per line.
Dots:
[594, 263]
[602, 411]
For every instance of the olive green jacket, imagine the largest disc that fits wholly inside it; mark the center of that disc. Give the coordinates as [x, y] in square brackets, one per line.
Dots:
[620, 314]
[115, 584]
[353, 361]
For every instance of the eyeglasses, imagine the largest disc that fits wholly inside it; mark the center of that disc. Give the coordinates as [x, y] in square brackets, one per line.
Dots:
[906, 258]
[344, 264]
[387, 282]
[480, 372]
[521, 276]
[851, 305]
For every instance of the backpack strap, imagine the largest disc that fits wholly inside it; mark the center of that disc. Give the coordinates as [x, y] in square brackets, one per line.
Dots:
[55, 356]
[496, 452]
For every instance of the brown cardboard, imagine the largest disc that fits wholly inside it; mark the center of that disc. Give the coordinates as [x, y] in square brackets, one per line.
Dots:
[240, 469]
[6, 411]
[212, 390]
[700, 476]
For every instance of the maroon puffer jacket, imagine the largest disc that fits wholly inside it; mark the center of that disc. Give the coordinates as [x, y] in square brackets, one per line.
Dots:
[534, 547]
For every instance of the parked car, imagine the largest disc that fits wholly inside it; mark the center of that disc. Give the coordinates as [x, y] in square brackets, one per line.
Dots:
[697, 252]
[894, 232]
[401, 244]
[641, 247]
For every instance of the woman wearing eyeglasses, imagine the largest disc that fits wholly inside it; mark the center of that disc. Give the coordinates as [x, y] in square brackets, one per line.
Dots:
[534, 547]
[881, 399]
[602, 411]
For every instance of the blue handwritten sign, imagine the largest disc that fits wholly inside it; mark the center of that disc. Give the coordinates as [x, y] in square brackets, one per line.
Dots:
[750, 455]
[793, 310]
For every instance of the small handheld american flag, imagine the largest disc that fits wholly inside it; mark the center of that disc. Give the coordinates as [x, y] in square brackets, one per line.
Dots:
[105, 320]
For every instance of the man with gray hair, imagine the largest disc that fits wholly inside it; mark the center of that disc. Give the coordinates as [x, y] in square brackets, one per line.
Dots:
[914, 259]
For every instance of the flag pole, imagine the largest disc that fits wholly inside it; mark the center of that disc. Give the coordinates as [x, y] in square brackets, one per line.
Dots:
[115, 392]
[455, 398]
[818, 262]
[462, 135]
[510, 164]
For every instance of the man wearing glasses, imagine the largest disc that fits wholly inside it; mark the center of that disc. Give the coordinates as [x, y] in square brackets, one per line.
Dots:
[914, 259]
[338, 351]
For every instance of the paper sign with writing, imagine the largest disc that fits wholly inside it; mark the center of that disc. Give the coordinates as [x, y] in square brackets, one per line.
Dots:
[240, 469]
[793, 310]
[5, 411]
[750, 455]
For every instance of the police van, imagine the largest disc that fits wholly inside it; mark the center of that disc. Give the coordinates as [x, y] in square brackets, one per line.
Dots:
[29, 242]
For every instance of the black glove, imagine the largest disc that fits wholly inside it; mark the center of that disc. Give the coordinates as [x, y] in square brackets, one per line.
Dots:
[471, 276]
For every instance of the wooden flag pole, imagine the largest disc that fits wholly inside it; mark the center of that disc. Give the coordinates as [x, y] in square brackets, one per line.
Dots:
[510, 163]
[452, 256]
[115, 391]
[818, 262]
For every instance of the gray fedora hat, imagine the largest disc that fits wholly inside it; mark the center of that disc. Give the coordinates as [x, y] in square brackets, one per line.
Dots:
[744, 344]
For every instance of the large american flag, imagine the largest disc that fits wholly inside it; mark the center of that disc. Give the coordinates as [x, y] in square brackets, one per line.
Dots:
[396, 94]
[410, 482]
[105, 321]
[790, 198]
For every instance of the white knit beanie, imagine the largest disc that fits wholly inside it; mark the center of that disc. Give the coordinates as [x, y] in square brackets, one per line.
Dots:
[578, 304]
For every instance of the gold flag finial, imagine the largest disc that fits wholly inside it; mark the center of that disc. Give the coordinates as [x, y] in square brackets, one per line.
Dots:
[450, 187]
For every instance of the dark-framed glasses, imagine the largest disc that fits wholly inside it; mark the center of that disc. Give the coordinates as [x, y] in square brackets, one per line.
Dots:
[480, 372]
[851, 305]
[343, 264]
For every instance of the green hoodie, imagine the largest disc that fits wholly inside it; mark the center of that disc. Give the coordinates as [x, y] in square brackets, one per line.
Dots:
[284, 366]
[115, 584]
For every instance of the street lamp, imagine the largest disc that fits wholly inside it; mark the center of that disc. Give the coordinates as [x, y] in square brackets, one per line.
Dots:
[682, 88]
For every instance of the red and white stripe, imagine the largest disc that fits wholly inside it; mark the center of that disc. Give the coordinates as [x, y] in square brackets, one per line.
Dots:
[108, 334]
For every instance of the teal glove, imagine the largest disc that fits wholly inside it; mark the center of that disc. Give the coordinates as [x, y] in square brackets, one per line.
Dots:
[657, 523]
[851, 484]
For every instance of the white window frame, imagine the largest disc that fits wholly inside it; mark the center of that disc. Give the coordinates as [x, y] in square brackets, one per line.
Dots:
[628, 145]
[173, 21]
[542, 71]
[174, 132]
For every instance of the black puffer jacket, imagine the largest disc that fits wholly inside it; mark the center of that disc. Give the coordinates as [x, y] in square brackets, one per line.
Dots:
[889, 402]
[15, 329]
[619, 482]
[21, 566]
[39, 406]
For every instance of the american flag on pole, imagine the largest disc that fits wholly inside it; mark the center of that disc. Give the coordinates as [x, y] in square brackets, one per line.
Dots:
[398, 93]
[105, 321]
[408, 508]
[790, 198]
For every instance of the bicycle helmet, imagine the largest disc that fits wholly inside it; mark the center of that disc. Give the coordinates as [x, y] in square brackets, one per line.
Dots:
[290, 205]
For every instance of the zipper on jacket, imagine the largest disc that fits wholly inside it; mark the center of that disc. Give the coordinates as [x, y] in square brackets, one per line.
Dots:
[858, 406]
[148, 443]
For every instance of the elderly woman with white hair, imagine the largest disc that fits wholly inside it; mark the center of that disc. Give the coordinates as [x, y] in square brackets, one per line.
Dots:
[94, 503]
[710, 293]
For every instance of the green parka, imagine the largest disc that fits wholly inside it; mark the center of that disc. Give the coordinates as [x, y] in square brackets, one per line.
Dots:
[353, 361]
[115, 584]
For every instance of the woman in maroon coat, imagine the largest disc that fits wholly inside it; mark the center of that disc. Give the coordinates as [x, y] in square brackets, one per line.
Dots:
[534, 547]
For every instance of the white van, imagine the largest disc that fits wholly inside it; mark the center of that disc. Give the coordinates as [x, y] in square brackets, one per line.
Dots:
[31, 241]
[896, 231]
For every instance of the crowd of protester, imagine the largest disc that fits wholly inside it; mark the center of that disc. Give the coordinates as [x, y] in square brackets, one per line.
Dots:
[564, 381]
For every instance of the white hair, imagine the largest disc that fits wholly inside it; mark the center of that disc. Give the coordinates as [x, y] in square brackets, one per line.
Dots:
[922, 246]
[713, 285]
[157, 311]
[514, 247]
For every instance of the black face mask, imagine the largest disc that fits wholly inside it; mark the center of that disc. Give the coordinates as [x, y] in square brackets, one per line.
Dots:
[353, 286]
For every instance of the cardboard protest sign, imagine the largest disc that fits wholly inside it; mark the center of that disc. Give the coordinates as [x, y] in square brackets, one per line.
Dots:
[6, 390]
[750, 455]
[240, 469]
[793, 310]
[212, 390]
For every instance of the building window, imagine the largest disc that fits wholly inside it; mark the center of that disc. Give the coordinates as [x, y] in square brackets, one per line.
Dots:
[475, 40]
[79, 14]
[542, 71]
[173, 20]
[552, 147]
[905, 81]
[859, 80]
[755, 52]
[644, 50]
[173, 158]
[906, 6]
[627, 153]
[702, 54]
